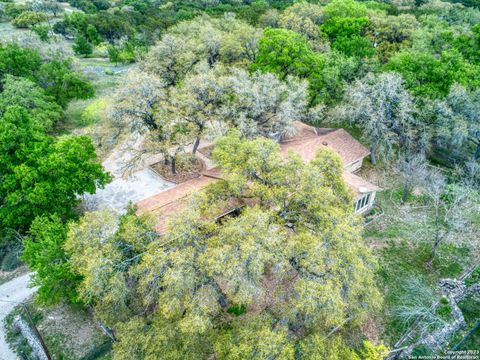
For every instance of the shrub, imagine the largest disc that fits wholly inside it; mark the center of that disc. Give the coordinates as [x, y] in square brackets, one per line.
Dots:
[10, 261]
[41, 31]
[82, 46]
[28, 19]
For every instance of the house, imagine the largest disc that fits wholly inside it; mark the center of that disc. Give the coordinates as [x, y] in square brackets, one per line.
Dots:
[308, 140]
[305, 143]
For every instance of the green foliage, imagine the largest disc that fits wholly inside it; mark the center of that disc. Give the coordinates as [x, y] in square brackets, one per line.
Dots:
[28, 19]
[18, 61]
[42, 175]
[444, 310]
[114, 54]
[373, 352]
[12, 10]
[193, 277]
[94, 112]
[425, 75]
[42, 32]
[345, 21]
[236, 310]
[61, 82]
[285, 52]
[44, 254]
[82, 47]
[471, 311]
[474, 277]
[22, 92]
[56, 77]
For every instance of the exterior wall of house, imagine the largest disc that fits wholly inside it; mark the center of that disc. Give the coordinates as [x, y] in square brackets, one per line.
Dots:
[364, 202]
[355, 166]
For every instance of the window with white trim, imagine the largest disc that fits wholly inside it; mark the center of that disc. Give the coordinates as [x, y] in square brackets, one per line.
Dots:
[363, 202]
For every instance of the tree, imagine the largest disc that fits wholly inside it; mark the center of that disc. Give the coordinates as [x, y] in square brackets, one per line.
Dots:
[207, 103]
[81, 46]
[134, 103]
[18, 61]
[264, 105]
[44, 254]
[103, 249]
[388, 33]
[170, 59]
[427, 75]
[28, 19]
[284, 52]
[47, 6]
[452, 206]
[385, 112]
[61, 82]
[413, 171]
[345, 22]
[197, 104]
[42, 175]
[199, 41]
[22, 92]
[260, 283]
[304, 18]
[326, 85]
[458, 118]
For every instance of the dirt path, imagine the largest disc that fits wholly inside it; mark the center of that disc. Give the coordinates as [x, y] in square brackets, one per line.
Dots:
[11, 293]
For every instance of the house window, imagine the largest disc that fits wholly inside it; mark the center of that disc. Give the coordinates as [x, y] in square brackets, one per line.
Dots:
[363, 202]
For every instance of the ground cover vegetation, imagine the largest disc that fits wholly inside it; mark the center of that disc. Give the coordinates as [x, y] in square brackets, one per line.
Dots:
[289, 276]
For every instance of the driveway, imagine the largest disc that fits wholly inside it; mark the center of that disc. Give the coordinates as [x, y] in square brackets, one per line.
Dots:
[121, 191]
[12, 293]
[127, 187]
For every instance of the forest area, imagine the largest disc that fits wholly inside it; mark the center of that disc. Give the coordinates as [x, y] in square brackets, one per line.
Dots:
[93, 92]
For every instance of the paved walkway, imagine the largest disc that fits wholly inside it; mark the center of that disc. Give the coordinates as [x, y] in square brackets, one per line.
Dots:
[11, 293]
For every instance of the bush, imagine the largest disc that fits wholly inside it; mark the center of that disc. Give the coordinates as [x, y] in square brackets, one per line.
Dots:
[12, 10]
[10, 261]
[82, 47]
[41, 31]
[473, 278]
[444, 310]
[28, 19]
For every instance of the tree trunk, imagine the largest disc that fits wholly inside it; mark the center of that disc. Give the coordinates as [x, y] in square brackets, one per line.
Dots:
[373, 159]
[438, 240]
[173, 163]
[406, 192]
[195, 145]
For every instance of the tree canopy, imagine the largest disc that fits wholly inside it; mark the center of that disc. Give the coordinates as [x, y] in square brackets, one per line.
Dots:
[40, 174]
[278, 275]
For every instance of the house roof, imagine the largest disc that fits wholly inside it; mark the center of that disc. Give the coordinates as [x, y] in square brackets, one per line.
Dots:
[172, 195]
[358, 185]
[169, 202]
[309, 139]
[305, 143]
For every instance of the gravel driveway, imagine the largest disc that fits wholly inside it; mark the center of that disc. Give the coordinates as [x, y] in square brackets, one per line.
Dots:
[12, 293]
